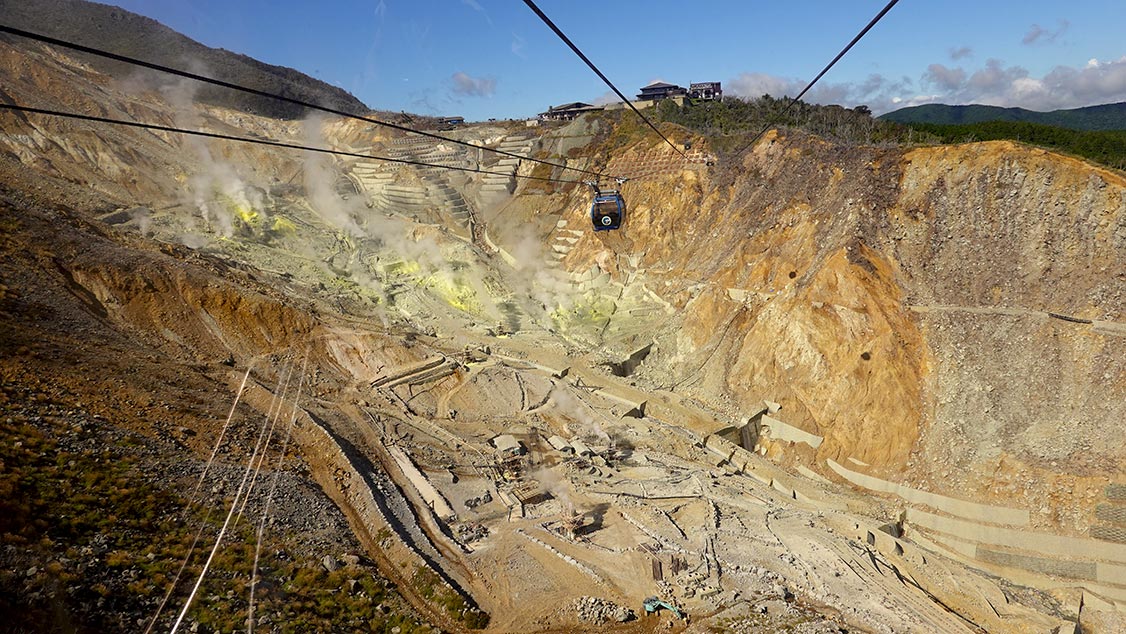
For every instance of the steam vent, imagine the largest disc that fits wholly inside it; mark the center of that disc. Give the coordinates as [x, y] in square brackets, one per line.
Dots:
[839, 377]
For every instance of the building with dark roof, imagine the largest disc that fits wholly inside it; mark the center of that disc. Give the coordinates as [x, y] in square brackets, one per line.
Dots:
[568, 111]
[659, 90]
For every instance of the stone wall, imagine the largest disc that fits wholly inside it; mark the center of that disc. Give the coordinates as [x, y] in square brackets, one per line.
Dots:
[953, 506]
[779, 430]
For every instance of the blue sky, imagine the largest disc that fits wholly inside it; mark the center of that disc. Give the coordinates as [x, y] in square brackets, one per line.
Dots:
[494, 58]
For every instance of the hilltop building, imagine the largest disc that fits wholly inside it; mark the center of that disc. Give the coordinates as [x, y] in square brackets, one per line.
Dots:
[706, 90]
[659, 90]
[649, 96]
[567, 111]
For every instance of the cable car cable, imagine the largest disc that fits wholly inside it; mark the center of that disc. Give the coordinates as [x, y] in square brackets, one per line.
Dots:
[292, 146]
[261, 93]
[568, 42]
[856, 39]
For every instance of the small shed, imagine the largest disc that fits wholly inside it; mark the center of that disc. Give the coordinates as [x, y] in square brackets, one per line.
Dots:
[507, 445]
[559, 444]
[581, 449]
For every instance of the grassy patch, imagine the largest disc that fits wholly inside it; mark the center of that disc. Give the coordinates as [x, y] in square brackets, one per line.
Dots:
[90, 540]
[431, 587]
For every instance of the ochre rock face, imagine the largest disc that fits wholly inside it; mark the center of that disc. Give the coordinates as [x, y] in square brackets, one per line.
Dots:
[842, 357]
[864, 290]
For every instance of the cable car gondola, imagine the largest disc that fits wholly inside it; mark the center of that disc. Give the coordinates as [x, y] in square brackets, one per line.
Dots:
[608, 210]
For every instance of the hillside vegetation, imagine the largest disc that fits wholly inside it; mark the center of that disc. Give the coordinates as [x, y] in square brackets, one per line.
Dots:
[1107, 146]
[1104, 117]
[727, 123]
[731, 123]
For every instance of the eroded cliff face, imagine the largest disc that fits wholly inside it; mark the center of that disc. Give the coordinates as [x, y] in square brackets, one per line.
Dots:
[895, 302]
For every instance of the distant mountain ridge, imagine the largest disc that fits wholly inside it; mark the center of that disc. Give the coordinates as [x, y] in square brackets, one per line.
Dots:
[1104, 117]
[119, 31]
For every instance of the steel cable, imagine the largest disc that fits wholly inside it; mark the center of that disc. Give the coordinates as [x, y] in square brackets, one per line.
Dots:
[856, 39]
[568, 42]
[262, 93]
[292, 146]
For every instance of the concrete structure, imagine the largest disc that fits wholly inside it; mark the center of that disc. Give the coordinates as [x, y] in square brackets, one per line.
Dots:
[500, 180]
[636, 406]
[1043, 543]
[433, 498]
[559, 444]
[1040, 560]
[391, 188]
[953, 506]
[430, 369]
[581, 449]
[507, 445]
[779, 430]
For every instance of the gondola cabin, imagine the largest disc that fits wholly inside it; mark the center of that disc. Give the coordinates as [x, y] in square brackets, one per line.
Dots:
[607, 211]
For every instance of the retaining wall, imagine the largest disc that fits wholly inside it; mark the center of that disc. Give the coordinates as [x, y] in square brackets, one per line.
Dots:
[953, 506]
[780, 430]
[1043, 543]
[422, 484]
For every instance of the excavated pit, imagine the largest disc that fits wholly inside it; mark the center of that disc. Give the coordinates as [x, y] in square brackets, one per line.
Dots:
[723, 404]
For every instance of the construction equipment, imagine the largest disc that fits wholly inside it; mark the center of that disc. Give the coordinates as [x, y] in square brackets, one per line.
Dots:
[653, 605]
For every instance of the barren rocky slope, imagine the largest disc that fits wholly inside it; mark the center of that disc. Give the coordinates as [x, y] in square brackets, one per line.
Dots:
[895, 302]
[947, 319]
[108, 27]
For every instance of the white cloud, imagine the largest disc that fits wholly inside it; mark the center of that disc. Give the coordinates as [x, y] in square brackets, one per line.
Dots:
[518, 46]
[948, 79]
[994, 78]
[1096, 82]
[1027, 88]
[755, 85]
[473, 87]
[1103, 82]
[994, 83]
